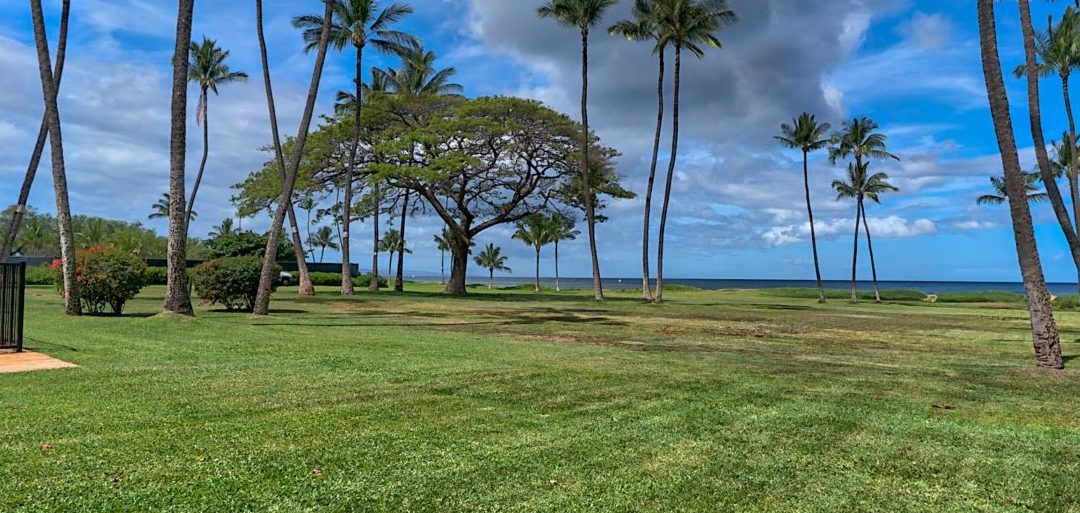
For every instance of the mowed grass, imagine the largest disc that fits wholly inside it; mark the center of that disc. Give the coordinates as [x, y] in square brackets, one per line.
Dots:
[510, 401]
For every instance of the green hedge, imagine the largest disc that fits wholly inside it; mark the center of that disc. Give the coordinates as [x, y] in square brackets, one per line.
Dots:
[989, 296]
[804, 293]
[39, 275]
[1067, 303]
[334, 280]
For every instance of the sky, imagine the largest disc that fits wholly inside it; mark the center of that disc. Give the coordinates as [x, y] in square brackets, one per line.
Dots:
[737, 200]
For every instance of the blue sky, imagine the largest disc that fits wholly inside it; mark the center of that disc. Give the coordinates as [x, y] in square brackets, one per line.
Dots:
[913, 65]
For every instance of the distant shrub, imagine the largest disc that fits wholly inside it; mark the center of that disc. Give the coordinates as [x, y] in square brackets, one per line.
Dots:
[864, 295]
[1068, 303]
[334, 280]
[897, 295]
[39, 275]
[232, 282]
[989, 296]
[104, 278]
[157, 276]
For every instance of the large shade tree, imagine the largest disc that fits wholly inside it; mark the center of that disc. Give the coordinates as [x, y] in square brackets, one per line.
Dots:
[360, 24]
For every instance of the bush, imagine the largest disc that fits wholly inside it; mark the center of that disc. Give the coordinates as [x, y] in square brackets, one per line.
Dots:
[104, 278]
[157, 276]
[1067, 303]
[40, 275]
[334, 280]
[838, 294]
[232, 282]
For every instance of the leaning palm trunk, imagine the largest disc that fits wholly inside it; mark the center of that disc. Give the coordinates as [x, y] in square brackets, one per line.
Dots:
[49, 83]
[204, 116]
[266, 277]
[307, 287]
[350, 173]
[1074, 187]
[813, 233]
[659, 297]
[1045, 338]
[177, 292]
[855, 256]
[590, 213]
[39, 146]
[870, 247]
[646, 285]
[399, 278]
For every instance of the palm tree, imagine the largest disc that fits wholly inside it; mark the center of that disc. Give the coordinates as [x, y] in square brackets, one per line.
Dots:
[583, 15]
[177, 292]
[536, 232]
[323, 238]
[288, 186]
[442, 241]
[160, 209]
[1001, 195]
[39, 147]
[806, 134]
[208, 69]
[859, 139]
[493, 260]
[360, 23]
[225, 228]
[645, 26]
[392, 243]
[687, 25]
[1045, 337]
[862, 186]
[419, 76]
[56, 145]
[562, 229]
[307, 288]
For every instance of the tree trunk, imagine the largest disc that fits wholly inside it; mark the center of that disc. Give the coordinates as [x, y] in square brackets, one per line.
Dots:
[659, 296]
[177, 292]
[373, 285]
[205, 115]
[399, 279]
[491, 279]
[459, 265]
[1045, 336]
[39, 147]
[870, 247]
[56, 147]
[390, 263]
[266, 278]
[350, 173]
[536, 284]
[813, 233]
[558, 286]
[855, 256]
[586, 172]
[442, 267]
[646, 285]
[307, 288]
[1074, 162]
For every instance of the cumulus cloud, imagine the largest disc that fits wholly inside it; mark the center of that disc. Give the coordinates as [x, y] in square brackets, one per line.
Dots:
[891, 227]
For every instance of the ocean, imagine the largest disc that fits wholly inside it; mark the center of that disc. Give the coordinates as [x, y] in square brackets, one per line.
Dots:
[928, 287]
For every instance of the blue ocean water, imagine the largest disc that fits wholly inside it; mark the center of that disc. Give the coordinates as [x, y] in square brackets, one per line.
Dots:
[928, 287]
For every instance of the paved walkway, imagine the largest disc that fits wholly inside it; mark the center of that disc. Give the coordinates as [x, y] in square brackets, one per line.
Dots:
[29, 361]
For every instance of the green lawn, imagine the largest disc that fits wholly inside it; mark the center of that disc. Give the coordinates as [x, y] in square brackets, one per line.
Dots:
[716, 401]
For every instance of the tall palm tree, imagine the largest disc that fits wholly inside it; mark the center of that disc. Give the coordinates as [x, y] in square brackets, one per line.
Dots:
[208, 69]
[419, 76]
[307, 288]
[442, 241]
[160, 209]
[492, 259]
[645, 26]
[177, 292]
[807, 134]
[689, 25]
[360, 23]
[1045, 337]
[323, 238]
[583, 15]
[562, 229]
[225, 228]
[536, 232]
[392, 243]
[1001, 195]
[39, 147]
[862, 186]
[288, 186]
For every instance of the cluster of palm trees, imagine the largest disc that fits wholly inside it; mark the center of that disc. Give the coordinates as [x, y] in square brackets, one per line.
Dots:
[538, 231]
[860, 141]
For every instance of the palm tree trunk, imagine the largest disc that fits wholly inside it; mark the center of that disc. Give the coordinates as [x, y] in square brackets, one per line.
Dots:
[646, 284]
[590, 212]
[870, 247]
[205, 115]
[39, 147]
[813, 233]
[350, 172]
[266, 277]
[390, 263]
[442, 267]
[399, 278]
[373, 285]
[855, 256]
[558, 286]
[491, 279]
[536, 284]
[56, 147]
[1045, 338]
[1074, 163]
[307, 288]
[177, 292]
[659, 296]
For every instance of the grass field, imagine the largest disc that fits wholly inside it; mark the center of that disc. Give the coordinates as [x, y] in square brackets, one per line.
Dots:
[507, 401]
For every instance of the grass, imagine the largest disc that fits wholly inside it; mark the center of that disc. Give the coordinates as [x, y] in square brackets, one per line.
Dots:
[513, 401]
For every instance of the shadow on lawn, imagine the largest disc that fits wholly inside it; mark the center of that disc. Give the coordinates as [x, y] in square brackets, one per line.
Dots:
[507, 318]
